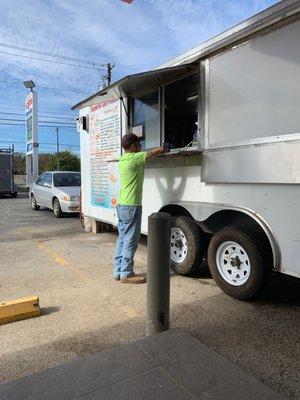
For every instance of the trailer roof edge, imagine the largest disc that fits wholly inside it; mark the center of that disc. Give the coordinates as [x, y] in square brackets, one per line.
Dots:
[121, 83]
[244, 28]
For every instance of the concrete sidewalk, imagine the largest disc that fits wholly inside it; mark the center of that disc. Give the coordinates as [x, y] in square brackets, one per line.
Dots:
[171, 365]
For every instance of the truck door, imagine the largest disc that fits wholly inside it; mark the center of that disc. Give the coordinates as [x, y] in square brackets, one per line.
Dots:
[5, 173]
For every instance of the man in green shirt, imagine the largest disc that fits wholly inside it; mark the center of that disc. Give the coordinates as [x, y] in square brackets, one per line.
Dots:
[129, 208]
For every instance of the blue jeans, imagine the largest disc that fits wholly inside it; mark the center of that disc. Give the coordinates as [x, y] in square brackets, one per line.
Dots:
[129, 227]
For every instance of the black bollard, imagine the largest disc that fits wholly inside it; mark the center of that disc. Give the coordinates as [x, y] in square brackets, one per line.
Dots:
[158, 275]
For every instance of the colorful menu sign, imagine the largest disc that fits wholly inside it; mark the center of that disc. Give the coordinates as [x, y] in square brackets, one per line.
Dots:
[105, 145]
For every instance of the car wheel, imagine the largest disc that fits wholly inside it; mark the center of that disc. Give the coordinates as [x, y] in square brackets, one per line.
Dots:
[187, 246]
[236, 263]
[34, 205]
[14, 194]
[56, 208]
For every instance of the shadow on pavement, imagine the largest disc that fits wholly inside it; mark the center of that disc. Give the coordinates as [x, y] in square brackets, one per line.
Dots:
[283, 290]
[263, 346]
[65, 216]
[21, 195]
[49, 310]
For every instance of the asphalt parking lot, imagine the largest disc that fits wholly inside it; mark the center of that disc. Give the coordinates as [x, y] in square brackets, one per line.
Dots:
[84, 310]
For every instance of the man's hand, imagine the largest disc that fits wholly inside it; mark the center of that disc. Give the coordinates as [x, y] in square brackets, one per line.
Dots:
[155, 152]
[167, 147]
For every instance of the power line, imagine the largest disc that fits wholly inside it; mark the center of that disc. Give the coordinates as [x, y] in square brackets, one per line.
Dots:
[57, 113]
[43, 116]
[40, 126]
[41, 88]
[40, 143]
[19, 108]
[51, 61]
[48, 116]
[11, 106]
[58, 122]
[74, 130]
[66, 124]
[48, 122]
[51, 54]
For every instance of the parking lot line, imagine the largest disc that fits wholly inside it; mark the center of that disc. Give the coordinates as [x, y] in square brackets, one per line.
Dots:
[58, 259]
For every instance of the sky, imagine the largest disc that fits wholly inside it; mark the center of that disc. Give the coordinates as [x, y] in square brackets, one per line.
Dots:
[134, 37]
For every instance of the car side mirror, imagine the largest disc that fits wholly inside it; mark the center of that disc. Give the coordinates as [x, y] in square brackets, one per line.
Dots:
[47, 185]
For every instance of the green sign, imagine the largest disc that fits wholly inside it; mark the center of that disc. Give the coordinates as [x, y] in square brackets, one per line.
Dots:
[29, 135]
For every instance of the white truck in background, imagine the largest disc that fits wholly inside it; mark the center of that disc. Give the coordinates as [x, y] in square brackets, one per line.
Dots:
[7, 184]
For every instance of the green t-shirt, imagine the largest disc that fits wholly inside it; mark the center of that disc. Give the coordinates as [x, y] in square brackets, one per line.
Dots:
[131, 168]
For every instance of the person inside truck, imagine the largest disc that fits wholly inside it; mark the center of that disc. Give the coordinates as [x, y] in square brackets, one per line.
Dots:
[129, 208]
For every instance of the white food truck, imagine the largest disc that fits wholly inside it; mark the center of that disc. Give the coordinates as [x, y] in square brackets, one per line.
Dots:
[230, 110]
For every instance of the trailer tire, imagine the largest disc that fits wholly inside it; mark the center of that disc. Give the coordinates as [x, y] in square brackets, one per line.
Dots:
[56, 208]
[34, 205]
[237, 264]
[187, 246]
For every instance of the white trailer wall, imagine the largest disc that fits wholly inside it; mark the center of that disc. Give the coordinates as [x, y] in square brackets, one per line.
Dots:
[254, 88]
[101, 210]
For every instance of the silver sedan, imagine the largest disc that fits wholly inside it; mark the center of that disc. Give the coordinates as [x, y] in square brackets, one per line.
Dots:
[58, 190]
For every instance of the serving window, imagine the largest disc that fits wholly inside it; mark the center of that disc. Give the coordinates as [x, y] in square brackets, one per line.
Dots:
[168, 114]
[145, 116]
[181, 112]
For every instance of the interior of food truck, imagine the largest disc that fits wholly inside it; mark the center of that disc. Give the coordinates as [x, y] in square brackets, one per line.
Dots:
[181, 112]
[168, 114]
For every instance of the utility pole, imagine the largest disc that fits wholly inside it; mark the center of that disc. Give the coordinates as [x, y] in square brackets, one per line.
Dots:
[57, 147]
[105, 77]
[109, 69]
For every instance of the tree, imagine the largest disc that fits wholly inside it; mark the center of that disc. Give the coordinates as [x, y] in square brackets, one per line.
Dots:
[19, 163]
[67, 162]
[43, 161]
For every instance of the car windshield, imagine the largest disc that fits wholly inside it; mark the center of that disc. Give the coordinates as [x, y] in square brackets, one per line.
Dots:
[67, 179]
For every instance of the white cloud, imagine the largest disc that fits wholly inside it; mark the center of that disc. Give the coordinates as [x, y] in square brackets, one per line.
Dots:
[134, 37]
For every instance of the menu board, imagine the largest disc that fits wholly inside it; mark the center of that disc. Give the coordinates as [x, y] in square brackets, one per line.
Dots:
[105, 145]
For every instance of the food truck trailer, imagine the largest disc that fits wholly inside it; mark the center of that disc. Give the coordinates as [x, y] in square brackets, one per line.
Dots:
[7, 184]
[229, 109]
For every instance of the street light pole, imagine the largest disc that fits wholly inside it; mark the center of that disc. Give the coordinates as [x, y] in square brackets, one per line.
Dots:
[57, 147]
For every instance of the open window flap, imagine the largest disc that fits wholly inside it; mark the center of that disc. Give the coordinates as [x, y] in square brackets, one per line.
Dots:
[133, 84]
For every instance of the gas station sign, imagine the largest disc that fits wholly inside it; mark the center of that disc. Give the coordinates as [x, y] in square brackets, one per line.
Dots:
[31, 138]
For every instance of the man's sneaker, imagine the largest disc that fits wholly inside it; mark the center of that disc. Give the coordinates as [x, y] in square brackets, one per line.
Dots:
[136, 278]
[116, 278]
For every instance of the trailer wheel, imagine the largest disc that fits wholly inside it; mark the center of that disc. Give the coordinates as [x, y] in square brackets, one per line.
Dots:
[236, 263]
[56, 208]
[34, 205]
[187, 246]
